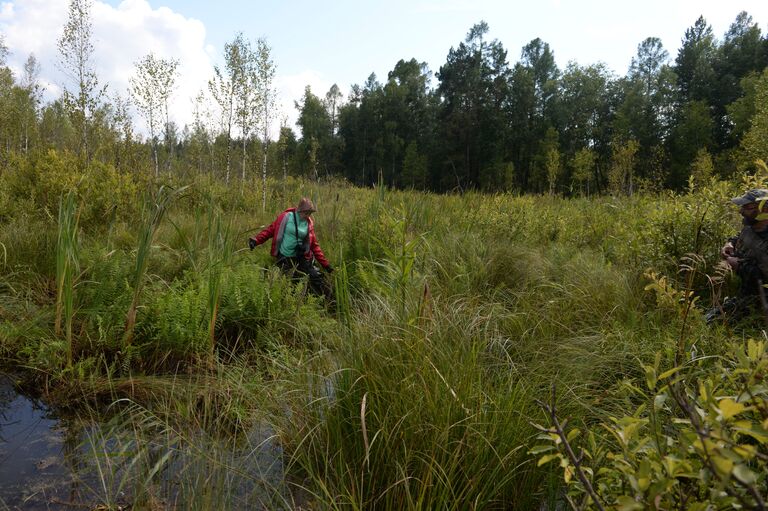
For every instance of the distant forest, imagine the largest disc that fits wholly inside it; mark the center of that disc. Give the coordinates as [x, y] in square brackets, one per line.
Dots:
[477, 123]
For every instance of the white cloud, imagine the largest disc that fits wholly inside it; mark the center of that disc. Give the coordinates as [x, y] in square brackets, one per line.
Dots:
[290, 88]
[121, 36]
[6, 10]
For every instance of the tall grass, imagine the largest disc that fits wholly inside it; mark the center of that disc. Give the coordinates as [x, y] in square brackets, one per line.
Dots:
[219, 254]
[454, 313]
[67, 269]
[431, 399]
[415, 421]
[191, 244]
[154, 211]
[342, 295]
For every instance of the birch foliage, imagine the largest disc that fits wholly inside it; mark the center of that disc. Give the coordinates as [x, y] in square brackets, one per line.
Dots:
[151, 89]
[76, 50]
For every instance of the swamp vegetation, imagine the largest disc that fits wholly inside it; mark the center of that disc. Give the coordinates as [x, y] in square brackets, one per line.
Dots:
[467, 329]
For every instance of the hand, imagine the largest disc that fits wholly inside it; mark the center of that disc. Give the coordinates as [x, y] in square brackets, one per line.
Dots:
[733, 262]
[251, 243]
[727, 250]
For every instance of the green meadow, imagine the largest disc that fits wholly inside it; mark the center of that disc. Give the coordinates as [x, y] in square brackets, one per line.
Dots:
[467, 330]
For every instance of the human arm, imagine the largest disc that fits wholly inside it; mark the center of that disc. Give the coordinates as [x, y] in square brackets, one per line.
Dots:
[262, 236]
[751, 249]
[314, 246]
[315, 249]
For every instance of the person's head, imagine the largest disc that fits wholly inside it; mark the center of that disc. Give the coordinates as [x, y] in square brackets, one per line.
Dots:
[305, 208]
[752, 206]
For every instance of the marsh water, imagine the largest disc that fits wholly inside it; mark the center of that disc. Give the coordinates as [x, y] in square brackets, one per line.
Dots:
[33, 474]
[51, 462]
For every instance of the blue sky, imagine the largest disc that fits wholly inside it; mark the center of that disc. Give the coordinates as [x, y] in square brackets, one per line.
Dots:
[321, 43]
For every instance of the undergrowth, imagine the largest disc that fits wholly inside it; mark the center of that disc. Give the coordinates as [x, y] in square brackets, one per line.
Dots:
[417, 390]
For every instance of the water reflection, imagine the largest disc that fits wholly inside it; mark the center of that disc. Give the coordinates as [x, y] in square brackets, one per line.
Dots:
[32, 475]
[56, 463]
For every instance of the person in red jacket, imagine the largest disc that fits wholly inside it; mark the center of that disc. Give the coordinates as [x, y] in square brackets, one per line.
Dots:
[294, 245]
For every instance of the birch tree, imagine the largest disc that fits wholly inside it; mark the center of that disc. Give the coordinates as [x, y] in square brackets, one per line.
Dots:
[583, 165]
[123, 128]
[333, 99]
[623, 161]
[246, 104]
[200, 141]
[30, 84]
[263, 83]
[151, 88]
[75, 60]
[6, 88]
[286, 142]
[3, 51]
[224, 89]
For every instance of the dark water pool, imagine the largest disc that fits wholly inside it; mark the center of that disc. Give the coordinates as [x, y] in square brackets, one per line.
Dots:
[51, 463]
[33, 472]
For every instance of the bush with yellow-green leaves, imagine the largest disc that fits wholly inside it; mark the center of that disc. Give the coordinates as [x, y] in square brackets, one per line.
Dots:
[698, 439]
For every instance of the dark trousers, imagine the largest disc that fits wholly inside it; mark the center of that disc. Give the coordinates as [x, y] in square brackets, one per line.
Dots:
[748, 296]
[297, 267]
[750, 278]
[737, 307]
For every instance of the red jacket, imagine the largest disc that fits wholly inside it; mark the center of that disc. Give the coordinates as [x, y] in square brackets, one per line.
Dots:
[275, 231]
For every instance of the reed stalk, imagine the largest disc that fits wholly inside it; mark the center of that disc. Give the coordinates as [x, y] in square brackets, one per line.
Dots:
[341, 291]
[191, 245]
[67, 269]
[219, 255]
[154, 210]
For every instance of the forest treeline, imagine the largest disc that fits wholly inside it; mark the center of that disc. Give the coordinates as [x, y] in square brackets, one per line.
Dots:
[479, 122]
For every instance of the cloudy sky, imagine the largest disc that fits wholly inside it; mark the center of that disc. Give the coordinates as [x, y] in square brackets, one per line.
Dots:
[343, 41]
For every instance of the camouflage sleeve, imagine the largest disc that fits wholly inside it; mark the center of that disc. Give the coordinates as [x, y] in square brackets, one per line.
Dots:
[752, 246]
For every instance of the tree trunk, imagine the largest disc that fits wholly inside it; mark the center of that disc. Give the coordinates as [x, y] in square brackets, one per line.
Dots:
[154, 156]
[243, 174]
[264, 171]
[285, 166]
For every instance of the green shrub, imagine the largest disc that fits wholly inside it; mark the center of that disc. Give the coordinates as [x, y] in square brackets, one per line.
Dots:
[103, 191]
[699, 440]
[697, 437]
[104, 296]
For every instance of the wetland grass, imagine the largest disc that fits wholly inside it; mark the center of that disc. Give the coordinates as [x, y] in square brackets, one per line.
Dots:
[220, 241]
[67, 269]
[154, 211]
[454, 314]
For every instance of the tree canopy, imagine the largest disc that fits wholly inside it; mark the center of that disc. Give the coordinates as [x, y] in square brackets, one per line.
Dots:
[481, 121]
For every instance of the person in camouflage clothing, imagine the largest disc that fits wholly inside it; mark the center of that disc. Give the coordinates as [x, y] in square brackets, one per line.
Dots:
[747, 255]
